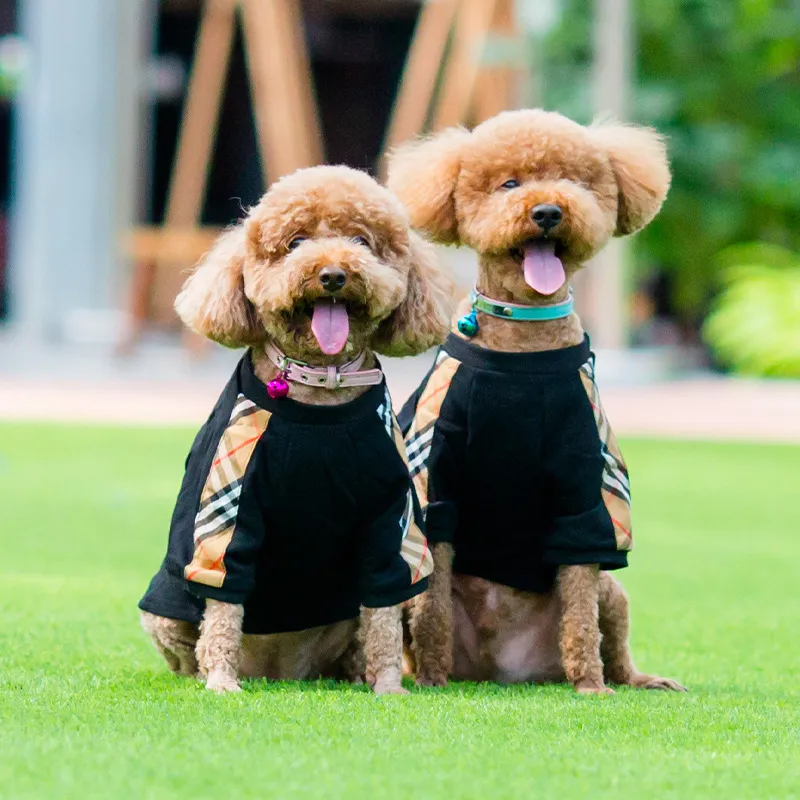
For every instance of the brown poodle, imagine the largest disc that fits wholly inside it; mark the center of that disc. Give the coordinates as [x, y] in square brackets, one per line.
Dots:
[525, 489]
[296, 511]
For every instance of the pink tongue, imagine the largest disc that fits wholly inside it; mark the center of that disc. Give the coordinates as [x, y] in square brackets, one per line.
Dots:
[544, 272]
[330, 325]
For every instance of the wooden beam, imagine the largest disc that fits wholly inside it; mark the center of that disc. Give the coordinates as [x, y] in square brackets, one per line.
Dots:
[157, 277]
[288, 132]
[184, 246]
[308, 122]
[496, 87]
[603, 292]
[472, 28]
[420, 73]
[201, 113]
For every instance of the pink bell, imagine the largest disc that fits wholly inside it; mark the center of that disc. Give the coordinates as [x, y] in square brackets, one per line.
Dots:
[277, 388]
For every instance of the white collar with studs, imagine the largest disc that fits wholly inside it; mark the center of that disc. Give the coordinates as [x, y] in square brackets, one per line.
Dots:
[341, 376]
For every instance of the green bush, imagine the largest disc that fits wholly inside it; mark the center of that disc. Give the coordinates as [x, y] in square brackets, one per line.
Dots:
[721, 80]
[754, 324]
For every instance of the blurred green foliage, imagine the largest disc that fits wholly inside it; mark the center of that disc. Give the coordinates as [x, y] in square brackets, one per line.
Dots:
[721, 79]
[754, 324]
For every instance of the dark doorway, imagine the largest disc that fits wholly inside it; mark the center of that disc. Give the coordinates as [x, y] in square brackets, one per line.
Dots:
[8, 26]
[357, 52]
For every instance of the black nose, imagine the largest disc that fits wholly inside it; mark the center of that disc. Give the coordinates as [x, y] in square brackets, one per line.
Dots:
[332, 278]
[546, 216]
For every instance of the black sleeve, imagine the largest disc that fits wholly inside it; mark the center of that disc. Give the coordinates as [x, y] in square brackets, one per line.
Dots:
[444, 480]
[228, 539]
[434, 422]
[581, 529]
[395, 557]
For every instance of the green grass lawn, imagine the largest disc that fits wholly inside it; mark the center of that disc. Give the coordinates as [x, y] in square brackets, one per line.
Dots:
[87, 708]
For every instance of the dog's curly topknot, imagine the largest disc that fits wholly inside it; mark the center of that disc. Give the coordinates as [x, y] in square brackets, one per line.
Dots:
[610, 179]
[256, 282]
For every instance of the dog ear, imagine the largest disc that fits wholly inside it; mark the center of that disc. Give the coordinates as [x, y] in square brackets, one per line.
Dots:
[422, 319]
[639, 159]
[212, 302]
[423, 175]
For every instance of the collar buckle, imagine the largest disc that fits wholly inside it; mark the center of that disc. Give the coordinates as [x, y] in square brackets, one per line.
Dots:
[328, 377]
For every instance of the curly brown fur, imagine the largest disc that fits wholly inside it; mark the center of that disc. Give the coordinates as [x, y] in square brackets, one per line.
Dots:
[614, 622]
[431, 622]
[259, 283]
[383, 645]
[608, 180]
[219, 646]
[352, 665]
[261, 277]
[579, 630]
[175, 640]
[326, 651]
[503, 634]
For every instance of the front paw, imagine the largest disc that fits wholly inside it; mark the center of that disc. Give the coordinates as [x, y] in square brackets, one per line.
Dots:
[222, 683]
[431, 679]
[388, 687]
[592, 687]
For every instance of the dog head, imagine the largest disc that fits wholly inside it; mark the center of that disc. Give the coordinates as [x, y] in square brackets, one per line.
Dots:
[325, 266]
[533, 192]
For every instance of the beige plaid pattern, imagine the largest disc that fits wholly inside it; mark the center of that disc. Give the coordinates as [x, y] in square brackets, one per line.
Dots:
[414, 548]
[616, 488]
[215, 520]
[420, 435]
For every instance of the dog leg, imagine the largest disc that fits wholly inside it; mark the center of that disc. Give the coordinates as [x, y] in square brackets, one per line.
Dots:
[219, 646]
[432, 622]
[578, 588]
[175, 640]
[352, 665]
[614, 621]
[384, 649]
[409, 660]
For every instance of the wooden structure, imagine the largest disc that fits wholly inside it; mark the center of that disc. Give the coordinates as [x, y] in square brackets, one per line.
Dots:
[287, 127]
[601, 300]
[447, 78]
[445, 82]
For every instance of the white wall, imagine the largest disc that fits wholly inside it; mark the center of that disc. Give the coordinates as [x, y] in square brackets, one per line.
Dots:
[76, 164]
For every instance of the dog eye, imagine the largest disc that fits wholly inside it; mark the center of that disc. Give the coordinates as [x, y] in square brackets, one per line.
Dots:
[510, 184]
[362, 240]
[296, 242]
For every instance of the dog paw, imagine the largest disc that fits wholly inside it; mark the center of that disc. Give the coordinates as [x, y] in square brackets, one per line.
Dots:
[439, 681]
[222, 684]
[656, 682]
[389, 688]
[593, 688]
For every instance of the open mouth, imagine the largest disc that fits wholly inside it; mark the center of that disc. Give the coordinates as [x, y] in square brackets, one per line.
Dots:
[541, 264]
[330, 320]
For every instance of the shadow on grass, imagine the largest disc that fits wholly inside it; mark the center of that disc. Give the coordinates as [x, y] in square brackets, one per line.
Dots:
[461, 689]
[457, 688]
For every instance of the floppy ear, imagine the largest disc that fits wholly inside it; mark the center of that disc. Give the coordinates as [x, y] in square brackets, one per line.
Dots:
[639, 159]
[423, 175]
[212, 302]
[422, 320]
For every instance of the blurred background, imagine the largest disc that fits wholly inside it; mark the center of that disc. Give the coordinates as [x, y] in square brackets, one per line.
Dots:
[132, 131]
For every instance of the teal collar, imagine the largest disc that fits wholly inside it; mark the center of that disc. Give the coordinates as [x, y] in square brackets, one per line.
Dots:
[468, 324]
[480, 302]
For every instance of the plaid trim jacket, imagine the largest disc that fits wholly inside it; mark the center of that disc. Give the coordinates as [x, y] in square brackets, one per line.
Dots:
[514, 462]
[301, 513]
